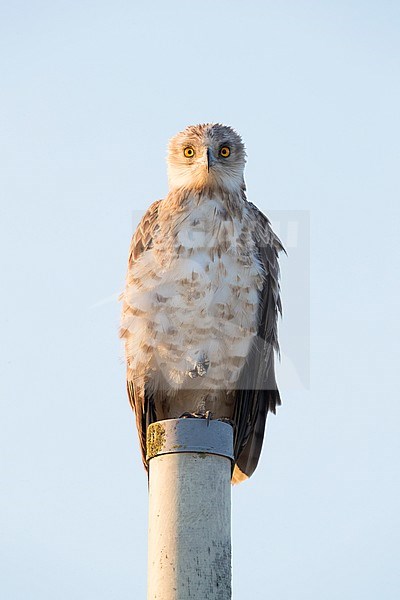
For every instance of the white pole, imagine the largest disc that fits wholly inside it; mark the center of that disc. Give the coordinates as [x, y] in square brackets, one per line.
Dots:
[189, 551]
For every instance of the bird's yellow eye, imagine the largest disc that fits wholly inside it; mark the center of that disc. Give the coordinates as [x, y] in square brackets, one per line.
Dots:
[188, 152]
[225, 151]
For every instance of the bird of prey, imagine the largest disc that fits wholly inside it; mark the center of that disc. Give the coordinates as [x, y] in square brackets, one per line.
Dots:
[201, 302]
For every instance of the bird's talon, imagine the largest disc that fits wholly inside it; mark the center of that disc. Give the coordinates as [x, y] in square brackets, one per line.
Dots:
[202, 415]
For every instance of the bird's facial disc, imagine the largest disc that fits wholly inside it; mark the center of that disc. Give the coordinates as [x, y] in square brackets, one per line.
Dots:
[206, 155]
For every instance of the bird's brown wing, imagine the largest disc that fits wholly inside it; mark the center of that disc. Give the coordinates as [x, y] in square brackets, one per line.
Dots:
[139, 396]
[257, 392]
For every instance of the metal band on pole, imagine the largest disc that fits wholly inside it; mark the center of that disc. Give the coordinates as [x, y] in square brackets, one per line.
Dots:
[189, 435]
[189, 552]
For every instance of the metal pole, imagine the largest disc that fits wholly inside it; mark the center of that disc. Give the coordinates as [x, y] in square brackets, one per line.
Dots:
[189, 551]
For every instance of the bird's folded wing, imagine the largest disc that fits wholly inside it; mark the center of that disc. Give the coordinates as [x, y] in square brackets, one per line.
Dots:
[257, 392]
[139, 397]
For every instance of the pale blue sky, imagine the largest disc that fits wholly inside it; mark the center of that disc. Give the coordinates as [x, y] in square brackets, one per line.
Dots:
[90, 94]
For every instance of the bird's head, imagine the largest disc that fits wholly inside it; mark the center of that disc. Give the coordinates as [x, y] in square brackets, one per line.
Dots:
[206, 156]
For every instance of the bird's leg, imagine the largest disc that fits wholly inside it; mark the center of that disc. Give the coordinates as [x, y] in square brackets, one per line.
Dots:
[200, 368]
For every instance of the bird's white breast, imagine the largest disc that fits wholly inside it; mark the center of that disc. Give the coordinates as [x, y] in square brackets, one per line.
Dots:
[194, 295]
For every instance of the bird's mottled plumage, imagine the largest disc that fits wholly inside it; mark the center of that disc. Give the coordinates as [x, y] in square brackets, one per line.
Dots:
[201, 301]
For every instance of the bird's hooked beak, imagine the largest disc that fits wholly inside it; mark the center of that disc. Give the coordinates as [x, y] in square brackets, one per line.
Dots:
[210, 158]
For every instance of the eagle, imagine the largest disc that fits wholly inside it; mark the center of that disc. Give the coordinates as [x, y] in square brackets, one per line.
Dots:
[202, 298]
